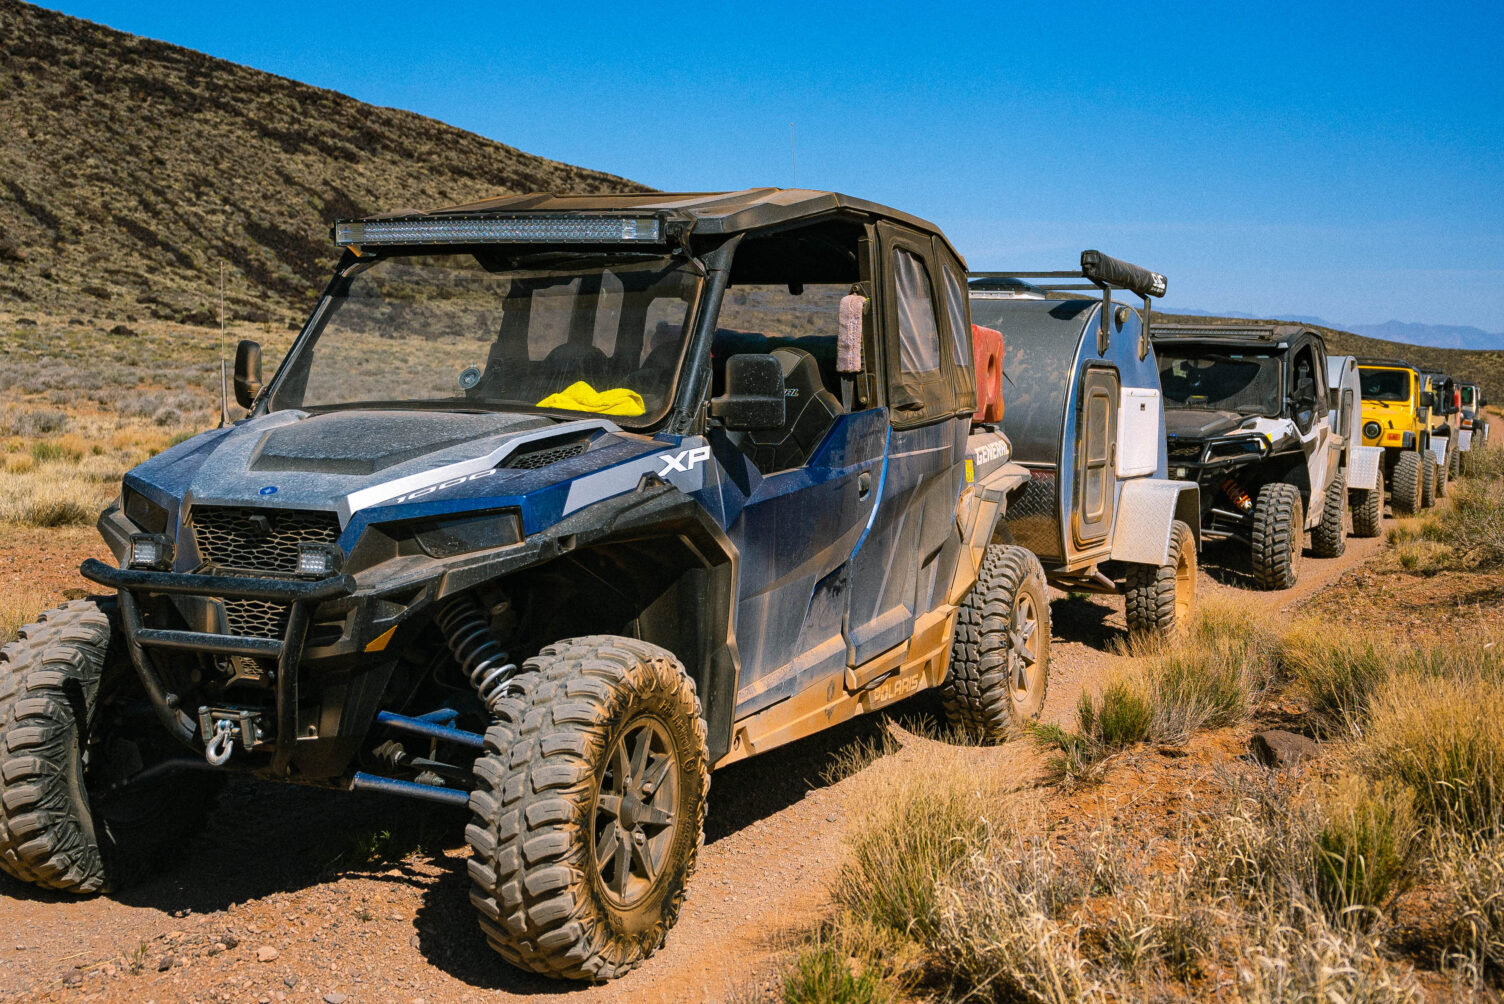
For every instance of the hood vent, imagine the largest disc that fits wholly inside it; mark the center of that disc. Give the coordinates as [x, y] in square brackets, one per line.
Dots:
[549, 451]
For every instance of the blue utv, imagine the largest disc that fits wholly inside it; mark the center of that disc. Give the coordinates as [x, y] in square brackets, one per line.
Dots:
[556, 504]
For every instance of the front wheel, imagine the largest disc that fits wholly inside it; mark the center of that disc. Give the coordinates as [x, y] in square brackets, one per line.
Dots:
[1278, 536]
[68, 819]
[1159, 599]
[1407, 484]
[589, 808]
[1000, 657]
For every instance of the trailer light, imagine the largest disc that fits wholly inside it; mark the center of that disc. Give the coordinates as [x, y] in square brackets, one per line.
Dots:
[557, 229]
[150, 551]
[476, 532]
[318, 561]
[1371, 430]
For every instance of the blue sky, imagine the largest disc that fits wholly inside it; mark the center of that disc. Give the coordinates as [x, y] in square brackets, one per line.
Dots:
[1339, 160]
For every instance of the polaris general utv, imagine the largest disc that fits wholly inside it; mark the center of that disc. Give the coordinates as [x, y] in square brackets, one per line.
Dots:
[555, 504]
[1248, 417]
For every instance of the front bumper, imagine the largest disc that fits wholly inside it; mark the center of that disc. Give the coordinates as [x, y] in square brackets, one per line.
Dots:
[300, 595]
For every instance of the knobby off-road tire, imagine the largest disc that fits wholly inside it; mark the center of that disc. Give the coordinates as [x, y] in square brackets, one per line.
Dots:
[1368, 509]
[1159, 599]
[1443, 474]
[55, 831]
[1329, 539]
[589, 808]
[1278, 536]
[1405, 487]
[1000, 658]
[1427, 481]
[1454, 466]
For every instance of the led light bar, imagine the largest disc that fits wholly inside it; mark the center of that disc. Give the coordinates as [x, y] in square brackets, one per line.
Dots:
[560, 229]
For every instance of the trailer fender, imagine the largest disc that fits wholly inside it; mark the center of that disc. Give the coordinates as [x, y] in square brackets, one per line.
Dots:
[1147, 511]
[1363, 463]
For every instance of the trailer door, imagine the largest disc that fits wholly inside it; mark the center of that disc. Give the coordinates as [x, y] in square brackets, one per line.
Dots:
[1096, 455]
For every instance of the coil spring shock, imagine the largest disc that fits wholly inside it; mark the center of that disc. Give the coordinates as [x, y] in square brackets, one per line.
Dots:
[480, 655]
[1237, 494]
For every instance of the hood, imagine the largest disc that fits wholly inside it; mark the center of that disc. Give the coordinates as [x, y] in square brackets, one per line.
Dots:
[350, 460]
[1195, 423]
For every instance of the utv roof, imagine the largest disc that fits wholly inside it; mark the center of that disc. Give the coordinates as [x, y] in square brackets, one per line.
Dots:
[1280, 336]
[710, 212]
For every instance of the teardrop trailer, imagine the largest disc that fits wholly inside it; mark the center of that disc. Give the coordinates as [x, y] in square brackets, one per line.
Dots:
[1362, 466]
[555, 504]
[1085, 419]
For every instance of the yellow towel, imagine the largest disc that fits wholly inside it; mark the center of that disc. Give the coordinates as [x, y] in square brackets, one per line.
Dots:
[580, 396]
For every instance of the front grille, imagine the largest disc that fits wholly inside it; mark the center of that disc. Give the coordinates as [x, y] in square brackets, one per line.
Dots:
[264, 541]
[255, 618]
[529, 460]
[259, 540]
[1185, 451]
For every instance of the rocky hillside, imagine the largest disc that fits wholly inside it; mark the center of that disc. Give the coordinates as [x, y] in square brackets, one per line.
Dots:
[130, 168]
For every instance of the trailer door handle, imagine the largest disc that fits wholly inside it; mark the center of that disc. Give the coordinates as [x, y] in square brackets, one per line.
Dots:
[864, 486]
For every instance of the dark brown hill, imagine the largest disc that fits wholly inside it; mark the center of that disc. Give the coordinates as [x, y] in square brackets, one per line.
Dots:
[129, 168]
[1485, 368]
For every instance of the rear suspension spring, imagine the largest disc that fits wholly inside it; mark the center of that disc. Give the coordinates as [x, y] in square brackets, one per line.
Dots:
[480, 655]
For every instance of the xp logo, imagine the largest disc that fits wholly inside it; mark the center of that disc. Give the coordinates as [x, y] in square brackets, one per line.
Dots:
[268, 490]
[684, 460]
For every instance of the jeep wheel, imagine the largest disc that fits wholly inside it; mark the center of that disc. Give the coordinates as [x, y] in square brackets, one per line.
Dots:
[1278, 536]
[1454, 468]
[1368, 509]
[1428, 469]
[589, 808]
[59, 827]
[1159, 599]
[1406, 485]
[1329, 539]
[1000, 658]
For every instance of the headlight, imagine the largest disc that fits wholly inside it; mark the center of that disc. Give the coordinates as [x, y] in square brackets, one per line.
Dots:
[318, 561]
[1371, 430]
[477, 532]
[1242, 446]
[143, 512]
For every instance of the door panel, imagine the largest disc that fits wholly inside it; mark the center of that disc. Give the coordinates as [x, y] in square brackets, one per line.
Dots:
[1096, 454]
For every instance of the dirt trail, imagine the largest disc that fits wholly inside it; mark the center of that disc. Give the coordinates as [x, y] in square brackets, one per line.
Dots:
[267, 878]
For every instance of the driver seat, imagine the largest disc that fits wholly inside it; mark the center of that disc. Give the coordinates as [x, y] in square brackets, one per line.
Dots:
[809, 412]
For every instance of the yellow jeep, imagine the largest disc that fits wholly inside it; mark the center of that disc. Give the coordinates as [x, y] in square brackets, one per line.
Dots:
[1396, 416]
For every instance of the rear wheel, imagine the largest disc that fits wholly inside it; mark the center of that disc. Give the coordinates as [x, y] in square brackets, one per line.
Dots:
[1443, 474]
[999, 664]
[66, 821]
[589, 808]
[1329, 539]
[1427, 481]
[1368, 509]
[1159, 599]
[1278, 536]
[1407, 484]
[1455, 467]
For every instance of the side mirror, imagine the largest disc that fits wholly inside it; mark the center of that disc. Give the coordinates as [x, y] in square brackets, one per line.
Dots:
[1427, 399]
[754, 398]
[247, 372]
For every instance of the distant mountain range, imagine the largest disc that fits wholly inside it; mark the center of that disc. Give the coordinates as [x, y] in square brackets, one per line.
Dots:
[1435, 336]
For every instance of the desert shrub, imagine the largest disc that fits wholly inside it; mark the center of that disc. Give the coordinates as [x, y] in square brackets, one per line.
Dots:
[35, 423]
[1470, 875]
[922, 827]
[822, 974]
[1365, 846]
[1487, 462]
[36, 500]
[1287, 964]
[1337, 672]
[1120, 717]
[1442, 735]
[1473, 526]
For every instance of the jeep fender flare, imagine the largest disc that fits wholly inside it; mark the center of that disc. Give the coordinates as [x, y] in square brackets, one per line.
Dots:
[1363, 466]
[1146, 514]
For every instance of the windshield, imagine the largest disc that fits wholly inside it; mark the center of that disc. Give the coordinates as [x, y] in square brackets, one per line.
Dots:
[1467, 397]
[1247, 382]
[562, 332]
[1384, 385]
